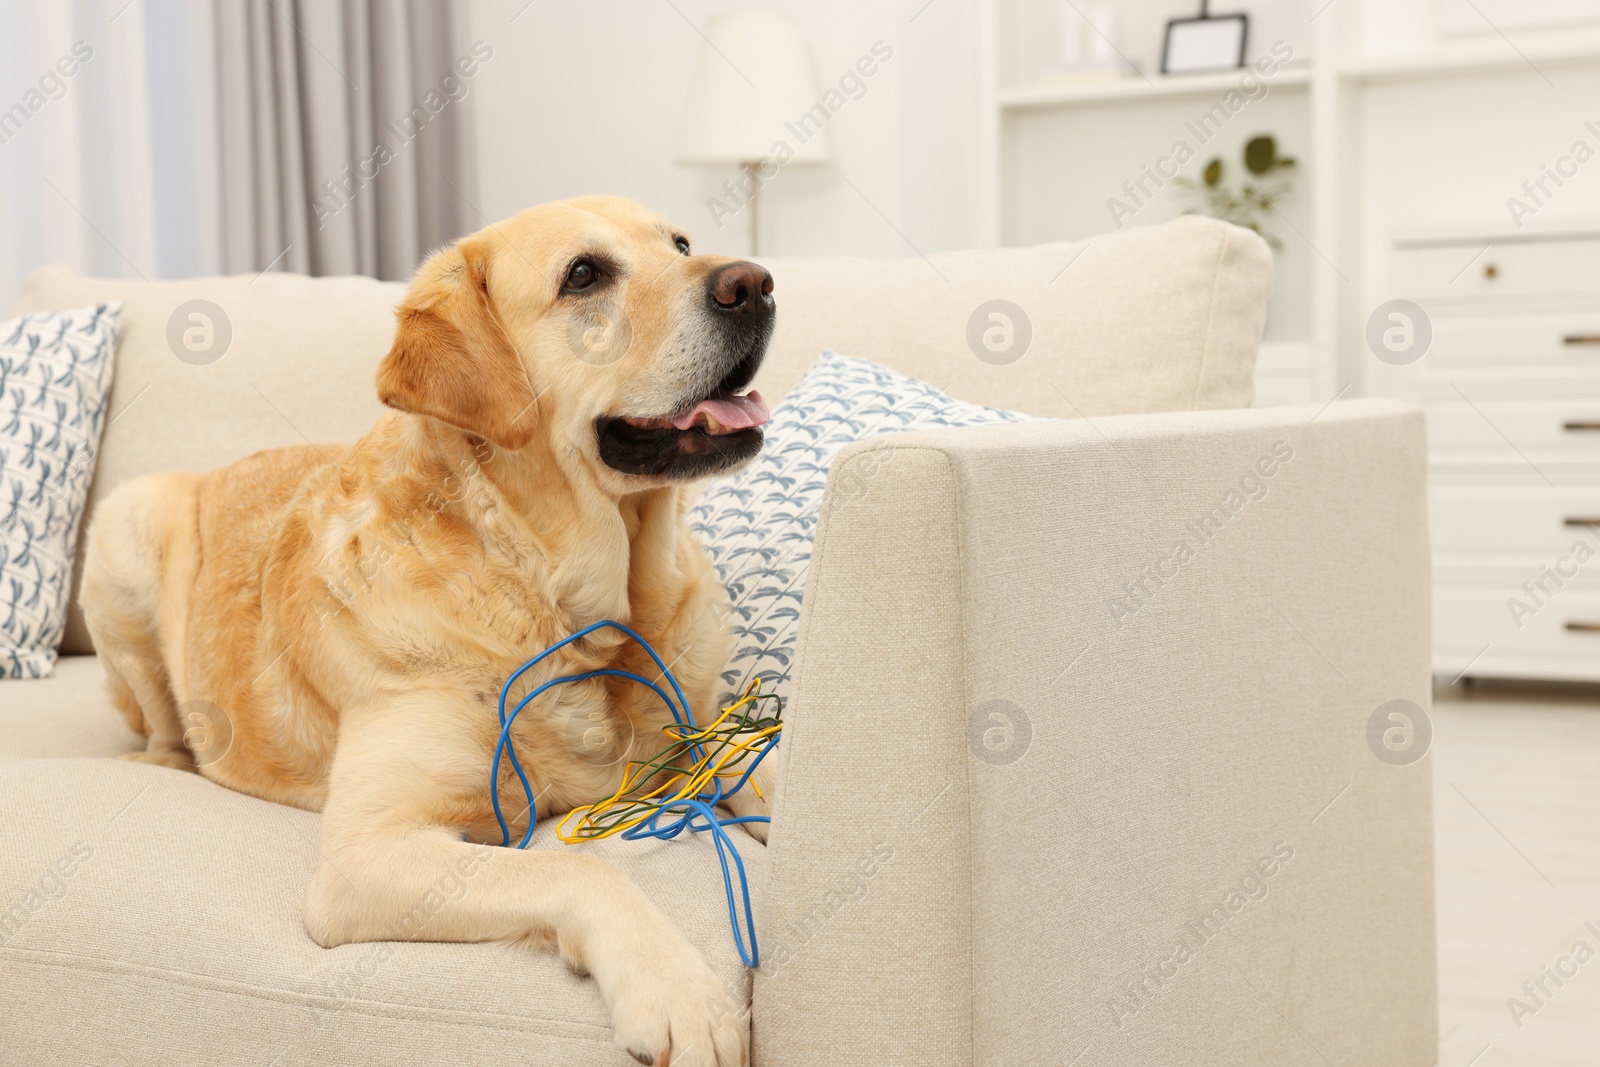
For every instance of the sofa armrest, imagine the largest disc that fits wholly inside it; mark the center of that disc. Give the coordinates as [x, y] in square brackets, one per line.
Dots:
[1078, 755]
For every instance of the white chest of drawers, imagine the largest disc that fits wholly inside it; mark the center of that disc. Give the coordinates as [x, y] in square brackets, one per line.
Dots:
[1511, 387]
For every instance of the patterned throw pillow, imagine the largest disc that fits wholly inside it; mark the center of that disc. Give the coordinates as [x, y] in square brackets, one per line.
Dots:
[55, 379]
[757, 525]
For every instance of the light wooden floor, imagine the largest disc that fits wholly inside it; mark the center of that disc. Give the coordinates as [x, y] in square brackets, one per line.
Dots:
[1517, 818]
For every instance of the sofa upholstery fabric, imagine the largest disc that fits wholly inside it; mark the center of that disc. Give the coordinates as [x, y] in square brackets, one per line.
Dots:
[1074, 788]
[153, 917]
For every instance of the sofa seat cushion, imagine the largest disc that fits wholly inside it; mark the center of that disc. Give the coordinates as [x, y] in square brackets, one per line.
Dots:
[67, 714]
[156, 906]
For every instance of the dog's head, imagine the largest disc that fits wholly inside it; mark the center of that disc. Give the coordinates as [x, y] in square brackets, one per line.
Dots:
[590, 323]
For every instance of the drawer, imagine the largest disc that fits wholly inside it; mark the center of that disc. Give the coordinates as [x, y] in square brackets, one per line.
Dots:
[1558, 425]
[1565, 626]
[1540, 522]
[1515, 268]
[1569, 571]
[1516, 341]
[1425, 385]
[1573, 473]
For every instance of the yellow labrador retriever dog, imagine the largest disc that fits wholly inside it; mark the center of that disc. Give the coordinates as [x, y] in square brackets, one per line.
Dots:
[353, 611]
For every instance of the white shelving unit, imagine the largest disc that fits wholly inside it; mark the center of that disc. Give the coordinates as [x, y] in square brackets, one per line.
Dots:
[1136, 88]
[1055, 154]
[1331, 97]
[1405, 138]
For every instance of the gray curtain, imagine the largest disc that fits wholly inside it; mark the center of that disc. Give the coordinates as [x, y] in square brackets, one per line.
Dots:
[342, 134]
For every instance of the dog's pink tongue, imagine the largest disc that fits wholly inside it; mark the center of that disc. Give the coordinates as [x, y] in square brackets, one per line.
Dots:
[732, 412]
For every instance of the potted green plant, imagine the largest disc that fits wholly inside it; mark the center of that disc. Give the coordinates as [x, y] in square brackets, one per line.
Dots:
[1268, 178]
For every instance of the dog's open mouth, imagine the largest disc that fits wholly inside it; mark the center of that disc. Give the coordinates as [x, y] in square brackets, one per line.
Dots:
[717, 416]
[719, 432]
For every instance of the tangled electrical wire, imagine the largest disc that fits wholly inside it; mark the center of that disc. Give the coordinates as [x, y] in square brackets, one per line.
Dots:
[675, 790]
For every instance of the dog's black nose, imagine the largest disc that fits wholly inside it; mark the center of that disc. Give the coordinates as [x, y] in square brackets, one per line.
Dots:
[741, 286]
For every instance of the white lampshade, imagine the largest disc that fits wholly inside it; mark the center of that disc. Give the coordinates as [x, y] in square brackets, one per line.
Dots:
[752, 79]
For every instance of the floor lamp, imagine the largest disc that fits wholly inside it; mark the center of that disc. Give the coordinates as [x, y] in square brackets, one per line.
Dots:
[753, 105]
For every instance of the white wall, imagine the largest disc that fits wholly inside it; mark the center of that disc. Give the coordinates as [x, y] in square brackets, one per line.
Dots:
[589, 98]
[586, 98]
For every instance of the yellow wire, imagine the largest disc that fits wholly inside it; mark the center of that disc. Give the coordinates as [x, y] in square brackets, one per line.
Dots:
[688, 783]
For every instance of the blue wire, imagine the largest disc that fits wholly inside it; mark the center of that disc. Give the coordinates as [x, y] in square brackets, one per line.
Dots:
[505, 743]
[724, 845]
[564, 642]
[685, 718]
[692, 813]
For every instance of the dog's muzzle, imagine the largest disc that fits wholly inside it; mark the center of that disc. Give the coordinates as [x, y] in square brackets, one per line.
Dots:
[720, 428]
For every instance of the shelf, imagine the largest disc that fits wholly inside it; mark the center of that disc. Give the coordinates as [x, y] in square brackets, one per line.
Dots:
[1160, 86]
[1478, 59]
[1495, 232]
[1410, 68]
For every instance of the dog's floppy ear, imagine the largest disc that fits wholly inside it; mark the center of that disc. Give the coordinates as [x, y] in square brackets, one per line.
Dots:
[452, 359]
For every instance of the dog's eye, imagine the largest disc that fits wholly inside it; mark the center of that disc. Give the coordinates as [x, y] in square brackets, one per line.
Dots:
[582, 275]
[682, 243]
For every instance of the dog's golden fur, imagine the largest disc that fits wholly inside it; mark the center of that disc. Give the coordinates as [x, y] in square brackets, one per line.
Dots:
[329, 626]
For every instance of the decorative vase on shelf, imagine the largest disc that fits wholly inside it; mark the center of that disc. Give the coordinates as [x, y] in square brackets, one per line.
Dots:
[1086, 47]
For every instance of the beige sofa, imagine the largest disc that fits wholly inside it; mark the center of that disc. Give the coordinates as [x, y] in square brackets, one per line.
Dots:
[1052, 792]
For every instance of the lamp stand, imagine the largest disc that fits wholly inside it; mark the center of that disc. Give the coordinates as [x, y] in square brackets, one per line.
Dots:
[752, 171]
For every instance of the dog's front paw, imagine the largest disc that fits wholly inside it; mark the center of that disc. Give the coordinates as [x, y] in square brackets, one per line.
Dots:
[667, 1006]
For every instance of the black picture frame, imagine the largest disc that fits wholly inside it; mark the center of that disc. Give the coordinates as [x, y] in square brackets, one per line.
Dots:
[1243, 21]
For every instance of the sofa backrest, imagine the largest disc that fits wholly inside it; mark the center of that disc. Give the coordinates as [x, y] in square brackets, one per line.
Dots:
[1156, 318]
[1162, 318]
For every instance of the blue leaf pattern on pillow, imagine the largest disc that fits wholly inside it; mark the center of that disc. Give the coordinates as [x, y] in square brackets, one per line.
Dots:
[757, 525]
[55, 381]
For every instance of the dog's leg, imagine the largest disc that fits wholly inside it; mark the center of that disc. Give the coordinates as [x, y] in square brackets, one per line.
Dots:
[395, 868]
[139, 533]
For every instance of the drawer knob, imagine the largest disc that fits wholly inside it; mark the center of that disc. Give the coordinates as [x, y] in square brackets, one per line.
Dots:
[1584, 627]
[1491, 271]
